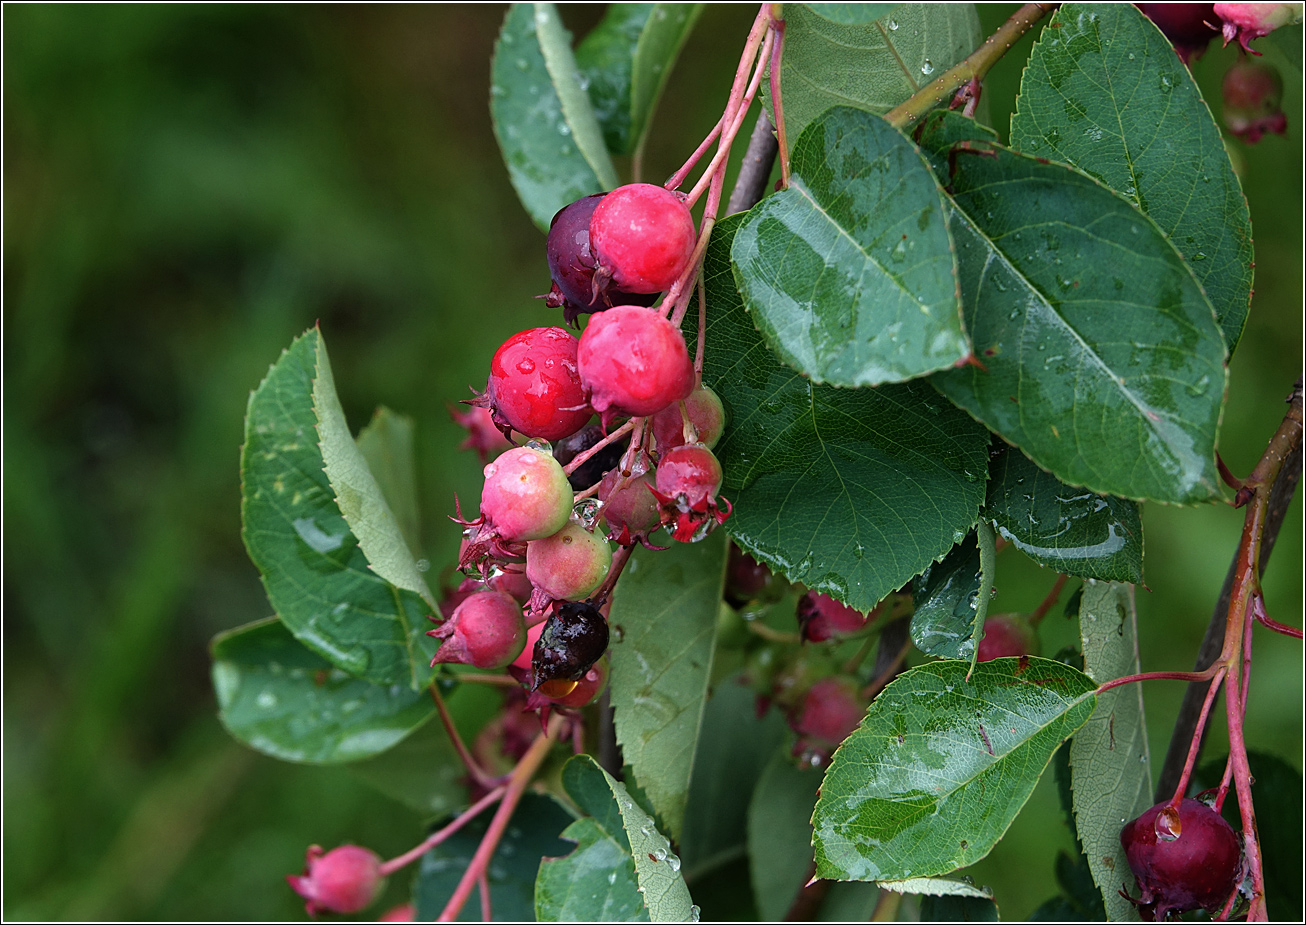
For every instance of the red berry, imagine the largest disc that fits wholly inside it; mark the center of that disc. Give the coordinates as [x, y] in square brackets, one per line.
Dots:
[344, 879]
[706, 414]
[486, 630]
[1182, 861]
[827, 715]
[569, 565]
[572, 265]
[523, 661]
[629, 507]
[534, 386]
[1005, 635]
[1189, 26]
[404, 912]
[526, 495]
[822, 617]
[1253, 96]
[643, 237]
[1249, 21]
[690, 470]
[633, 362]
[746, 578]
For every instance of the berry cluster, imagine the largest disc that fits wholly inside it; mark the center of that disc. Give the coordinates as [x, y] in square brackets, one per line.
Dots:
[539, 554]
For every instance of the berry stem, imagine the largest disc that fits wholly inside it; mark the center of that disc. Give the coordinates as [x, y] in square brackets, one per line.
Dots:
[777, 50]
[1258, 611]
[1048, 602]
[1228, 477]
[483, 886]
[974, 67]
[1159, 676]
[678, 177]
[616, 435]
[1197, 739]
[435, 838]
[477, 774]
[702, 332]
[770, 634]
[517, 781]
[499, 680]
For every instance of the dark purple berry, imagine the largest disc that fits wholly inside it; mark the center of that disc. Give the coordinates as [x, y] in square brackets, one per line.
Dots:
[574, 637]
[1189, 26]
[571, 264]
[591, 471]
[1184, 860]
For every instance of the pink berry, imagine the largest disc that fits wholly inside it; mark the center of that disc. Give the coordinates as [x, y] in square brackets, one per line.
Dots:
[1184, 860]
[629, 508]
[534, 386]
[706, 414]
[345, 879]
[1248, 21]
[572, 265]
[1253, 96]
[486, 630]
[643, 237]
[690, 470]
[746, 578]
[1007, 635]
[822, 617]
[526, 495]
[569, 565]
[404, 912]
[827, 715]
[1189, 26]
[523, 661]
[633, 362]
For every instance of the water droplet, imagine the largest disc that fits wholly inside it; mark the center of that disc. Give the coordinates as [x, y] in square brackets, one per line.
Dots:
[1198, 256]
[267, 700]
[660, 854]
[893, 25]
[423, 565]
[695, 913]
[674, 863]
[927, 67]
[523, 64]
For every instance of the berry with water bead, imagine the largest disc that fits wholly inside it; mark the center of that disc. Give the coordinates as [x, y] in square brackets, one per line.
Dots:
[534, 386]
[345, 879]
[526, 495]
[629, 508]
[688, 479]
[486, 630]
[572, 265]
[574, 637]
[633, 362]
[569, 565]
[1183, 859]
[643, 237]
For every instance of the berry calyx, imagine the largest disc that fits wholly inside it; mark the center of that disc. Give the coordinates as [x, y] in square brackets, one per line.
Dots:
[821, 617]
[1249, 21]
[633, 362]
[1006, 635]
[486, 630]
[1253, 97]
[707, 418]
[1189, 26]
[568, 565]
[572, 265]
[688, 479]
[643, 237]
[345, 879]
[1182, 861]
[574, 637]
[526, 495]
[534, 386]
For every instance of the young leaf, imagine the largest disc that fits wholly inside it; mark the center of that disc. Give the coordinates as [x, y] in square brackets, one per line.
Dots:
[657, 870]
[873, 65]
[1102, 358]
[940, 766]
[357, 493]
[387, 447]
[944, 597]
[511, 872]
[626, 60]
[1074, 531]
[318, 579]
[851, 14]
[849, 272]
[664, 624]
[780, 834]
[850, 491]
[1104, 92]
[1110, 768]
[547, 130]
[283, 700]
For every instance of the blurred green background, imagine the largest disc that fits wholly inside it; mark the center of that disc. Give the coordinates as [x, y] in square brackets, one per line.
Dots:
[189, 187]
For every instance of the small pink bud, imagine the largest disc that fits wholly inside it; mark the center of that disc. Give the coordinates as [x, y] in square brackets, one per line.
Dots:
[345, 879]
[1248, 21]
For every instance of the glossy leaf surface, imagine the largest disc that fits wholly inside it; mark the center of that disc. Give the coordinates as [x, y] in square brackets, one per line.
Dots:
[1110, 767]
[1069, 529]
[850, 491]
[849, 272]
[318, 579]
[851, 14]
[940, 766]
[1103, 92]
[547, 130]
[286, 701]
[663, 620]
[387, 447]
[1102, 358]
[873, 65]
[945, 621]
[780, 834]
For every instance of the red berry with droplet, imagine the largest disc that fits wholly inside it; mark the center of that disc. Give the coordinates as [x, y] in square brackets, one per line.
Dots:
[535, 387]
[643, 237]
[1006, 635]
[572, 265]
[707, 417]
[633, 362]
[486, 630]
[690, 470]
[345, 879]
[821, 617]
[629, 508]
[569, 565]
[1182, 861]
[526, 495]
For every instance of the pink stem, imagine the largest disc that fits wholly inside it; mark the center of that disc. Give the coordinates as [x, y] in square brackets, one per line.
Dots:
[483, 883]
[702, 332]
[463, 818]
[474, 769]
[1197, 737]
[1160, 676]
[1242, 778]
[617, 434]
[678, 177]
[777, 51]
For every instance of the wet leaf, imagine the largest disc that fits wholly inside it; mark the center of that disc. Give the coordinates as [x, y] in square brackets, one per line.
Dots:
[387, 446]
[851, 14]
[940, 766]
[944, 596]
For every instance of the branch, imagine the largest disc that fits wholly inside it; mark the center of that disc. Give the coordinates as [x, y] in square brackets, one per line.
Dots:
[750, 185]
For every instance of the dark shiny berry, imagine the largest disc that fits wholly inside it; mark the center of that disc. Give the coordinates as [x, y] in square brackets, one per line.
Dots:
[591, 471]
[1183, 860]
[574, 637]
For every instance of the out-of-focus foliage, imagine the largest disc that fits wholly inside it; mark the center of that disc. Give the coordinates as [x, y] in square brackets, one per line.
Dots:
[187, 188]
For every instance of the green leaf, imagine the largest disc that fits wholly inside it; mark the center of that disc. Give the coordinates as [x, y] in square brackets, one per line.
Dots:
[387, 447]
[849, 272]
[850, 491]
[547, 130]
[1110, 768]
[958, 909]
[937, 886]
[1104, 92]
[1102, 358]
[423, 772]
[851, 14]
[532, 835]
[944, 596]
[780, 834]
[664, 616]
[357, 493]
[318, 579]
[940, 766]
[283, 700]
[872, 66]
[733, 746]
[657, 869]
[1074, 531]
